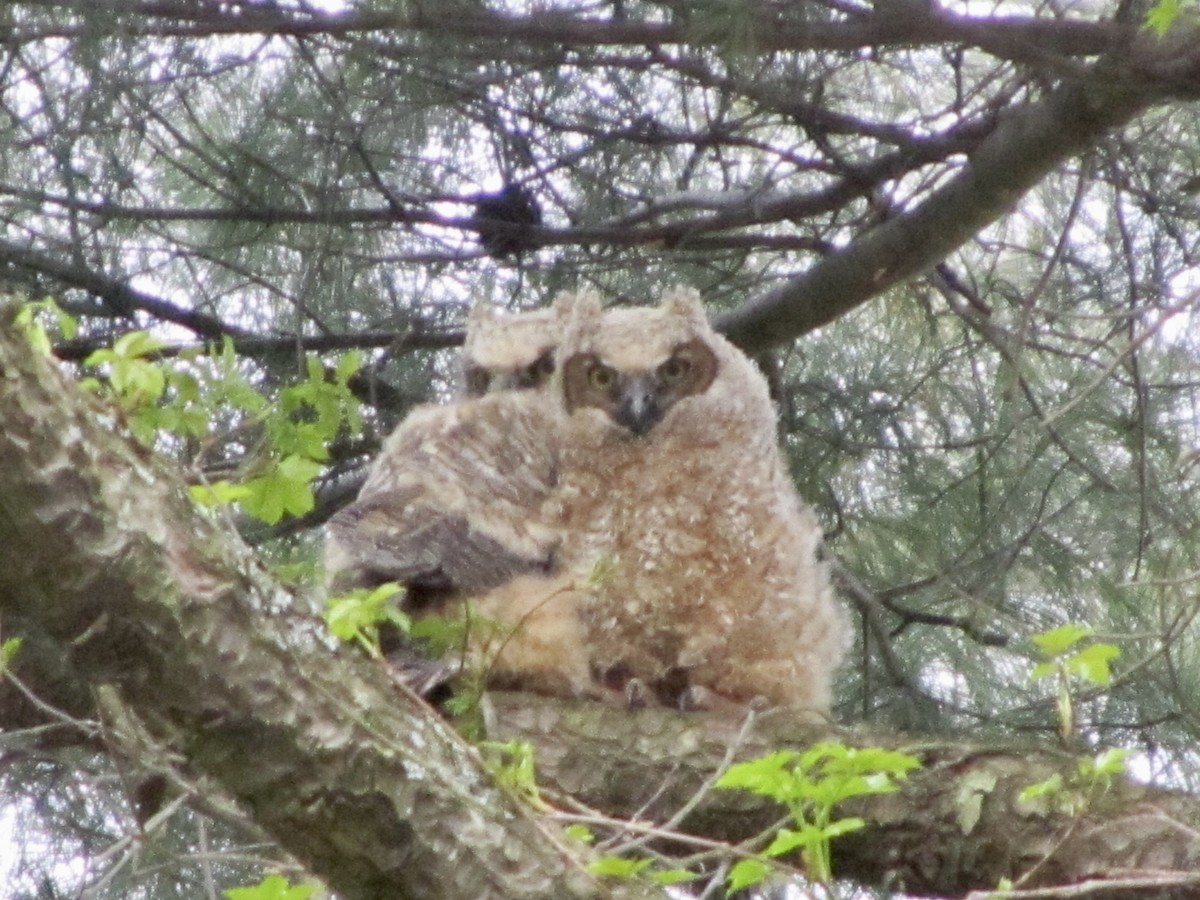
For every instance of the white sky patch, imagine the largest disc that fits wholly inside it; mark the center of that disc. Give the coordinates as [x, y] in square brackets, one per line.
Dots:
[1185, 324]
[8, 840]
[326, 6]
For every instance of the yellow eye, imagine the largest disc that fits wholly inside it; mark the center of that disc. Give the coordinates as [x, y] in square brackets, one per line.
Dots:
[601, 377]
[676, 368]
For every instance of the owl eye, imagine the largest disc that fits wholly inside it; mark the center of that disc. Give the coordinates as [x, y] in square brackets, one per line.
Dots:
[676, 368]
[601, 377]
[542, 368]
[478, 381]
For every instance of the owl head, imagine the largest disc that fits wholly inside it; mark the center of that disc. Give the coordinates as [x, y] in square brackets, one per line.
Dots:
[642, 367]
[509, 351]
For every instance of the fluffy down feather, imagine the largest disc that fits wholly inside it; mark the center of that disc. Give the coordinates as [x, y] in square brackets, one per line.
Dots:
[454, 509]
[712, 581]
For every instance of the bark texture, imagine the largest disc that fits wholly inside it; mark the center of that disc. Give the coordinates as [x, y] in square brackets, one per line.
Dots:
[957, 825]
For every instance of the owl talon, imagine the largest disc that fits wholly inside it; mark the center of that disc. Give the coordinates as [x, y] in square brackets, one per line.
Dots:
[697, 698]
[637, 695]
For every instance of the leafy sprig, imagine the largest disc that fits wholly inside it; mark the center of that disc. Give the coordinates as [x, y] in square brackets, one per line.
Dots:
[1069, 663]
[164, 401]
[810, 784]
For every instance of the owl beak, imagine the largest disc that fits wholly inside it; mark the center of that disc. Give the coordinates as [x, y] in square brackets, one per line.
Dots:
[638, 407]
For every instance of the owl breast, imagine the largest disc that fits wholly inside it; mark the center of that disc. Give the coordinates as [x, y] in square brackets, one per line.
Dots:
[696, 562]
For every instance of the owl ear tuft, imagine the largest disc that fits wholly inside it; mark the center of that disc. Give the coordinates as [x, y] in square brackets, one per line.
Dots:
[685, 302]
[580, 315]
[481, 311]
[570, 305]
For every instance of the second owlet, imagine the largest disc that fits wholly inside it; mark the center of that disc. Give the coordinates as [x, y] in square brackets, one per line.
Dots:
[673, 487]
[445, 503]
[509, 352]
[453, 508]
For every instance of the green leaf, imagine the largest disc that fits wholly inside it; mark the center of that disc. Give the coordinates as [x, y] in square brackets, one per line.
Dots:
[513, 766]
[747, 873]
[314, 368]
[1112, 761]
[673, 876]
[284, 490]
[28, 322]
[7, 651]
[788, 839]
[1091, 663]
[219, 493]
[767, 776]
[34, 331]
[839, 827]
[580, 832]
[347, 365]
[134, 344]
[355, 614]
[1057, 641]
[273, 887]
[818, 754]
[1162, 15]
[1051, 785]
[1043, 670]
[617, 867]
[134, 381]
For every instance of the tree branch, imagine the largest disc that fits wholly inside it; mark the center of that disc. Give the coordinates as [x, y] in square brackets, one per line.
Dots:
[1027, 146]
[774, 27]
[119, 297]
[257, 346]
[958, 823]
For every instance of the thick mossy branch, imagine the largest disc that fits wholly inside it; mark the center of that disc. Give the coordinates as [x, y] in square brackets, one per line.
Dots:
[958, 824]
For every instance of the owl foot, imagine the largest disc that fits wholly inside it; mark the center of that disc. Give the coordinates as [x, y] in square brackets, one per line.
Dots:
[697, 698]
[637, 695]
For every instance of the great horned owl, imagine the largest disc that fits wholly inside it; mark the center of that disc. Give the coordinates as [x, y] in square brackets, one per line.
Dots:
[450, 503]
[506, 351]
[453, 509]
[671, 480]
[446, 504]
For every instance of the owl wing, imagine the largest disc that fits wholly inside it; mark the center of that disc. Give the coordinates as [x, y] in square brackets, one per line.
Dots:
[454, 503]
[401, 536]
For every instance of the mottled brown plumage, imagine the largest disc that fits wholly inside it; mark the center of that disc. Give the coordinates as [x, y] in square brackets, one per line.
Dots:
[453, 510]
[451, 502]
[650, 459]
[672, 481]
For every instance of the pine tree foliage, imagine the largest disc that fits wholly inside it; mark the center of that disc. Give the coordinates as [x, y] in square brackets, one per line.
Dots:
[966, 240]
